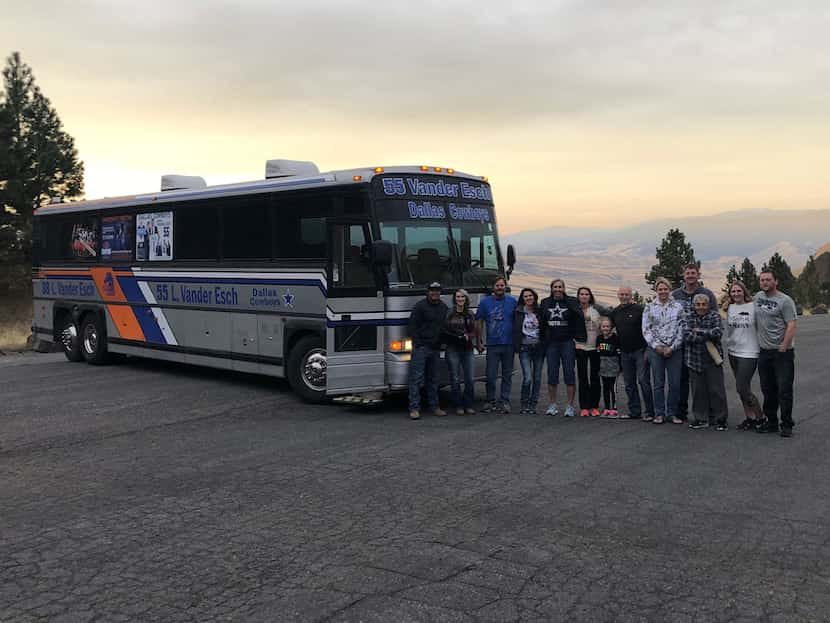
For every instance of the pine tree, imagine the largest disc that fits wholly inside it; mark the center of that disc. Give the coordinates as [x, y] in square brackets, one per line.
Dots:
[673, 254]
[749, 276]
[38, 160]
[731, 277]
[779, 266]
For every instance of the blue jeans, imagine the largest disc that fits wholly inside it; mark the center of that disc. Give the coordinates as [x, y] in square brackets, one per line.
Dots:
[564, 352]
[636, 370]
[422, 368]
[665, 403]
[461, 362]
[500, 355]
[531, 358]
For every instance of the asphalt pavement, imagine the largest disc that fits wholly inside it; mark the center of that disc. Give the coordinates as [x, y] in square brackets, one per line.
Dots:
[148, 491]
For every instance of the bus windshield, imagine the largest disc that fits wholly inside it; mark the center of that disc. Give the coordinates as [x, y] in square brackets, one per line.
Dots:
[458, 247]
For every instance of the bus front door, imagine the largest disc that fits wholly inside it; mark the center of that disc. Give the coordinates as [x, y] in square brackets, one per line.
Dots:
[354, 313]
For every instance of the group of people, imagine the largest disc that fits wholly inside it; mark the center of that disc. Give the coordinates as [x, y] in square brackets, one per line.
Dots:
[667, 350]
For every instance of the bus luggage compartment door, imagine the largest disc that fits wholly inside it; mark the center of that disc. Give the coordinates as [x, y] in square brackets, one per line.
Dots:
[354, 313]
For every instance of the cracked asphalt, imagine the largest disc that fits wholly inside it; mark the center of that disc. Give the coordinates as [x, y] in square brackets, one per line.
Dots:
[147, 491]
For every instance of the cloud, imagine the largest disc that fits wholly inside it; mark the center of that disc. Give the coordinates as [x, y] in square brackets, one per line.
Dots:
[449, 63]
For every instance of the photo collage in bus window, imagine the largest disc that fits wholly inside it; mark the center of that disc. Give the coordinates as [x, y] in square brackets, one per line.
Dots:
[117, 238]
[154, 237]
[84, 241]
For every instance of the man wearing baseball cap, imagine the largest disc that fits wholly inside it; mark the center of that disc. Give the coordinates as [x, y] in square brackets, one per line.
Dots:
[425, 323]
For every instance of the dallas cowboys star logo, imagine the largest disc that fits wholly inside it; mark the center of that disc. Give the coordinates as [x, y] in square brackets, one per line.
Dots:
[288, 298]
[557, 313]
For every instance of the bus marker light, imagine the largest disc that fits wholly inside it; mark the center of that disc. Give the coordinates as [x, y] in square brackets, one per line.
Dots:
[483, 178]
[357, 178]
[450, 171]
[437, 169]
[401, 346]
[424, 167]
[378, 169]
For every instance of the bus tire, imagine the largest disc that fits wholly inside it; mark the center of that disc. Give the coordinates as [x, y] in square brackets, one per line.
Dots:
[307, 369]
[93, 339]
[70, 338]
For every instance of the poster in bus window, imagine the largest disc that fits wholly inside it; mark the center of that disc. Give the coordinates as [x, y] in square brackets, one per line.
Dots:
[154, 237]
[117, 238]
[84, 240]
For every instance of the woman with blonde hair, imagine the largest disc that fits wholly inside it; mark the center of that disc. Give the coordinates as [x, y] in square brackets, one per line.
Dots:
[663, 324]
[743, 350]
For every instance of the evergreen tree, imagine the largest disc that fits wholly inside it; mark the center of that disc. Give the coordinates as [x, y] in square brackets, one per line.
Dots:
[747, 275]
[638, 298]
[807, 289]
[673, 254]
[38, 160]
[779, 266]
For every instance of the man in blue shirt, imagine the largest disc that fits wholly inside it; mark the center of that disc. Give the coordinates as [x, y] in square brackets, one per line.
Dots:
[495, 313]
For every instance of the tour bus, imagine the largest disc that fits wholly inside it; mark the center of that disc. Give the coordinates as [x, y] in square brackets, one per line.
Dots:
[304, 275]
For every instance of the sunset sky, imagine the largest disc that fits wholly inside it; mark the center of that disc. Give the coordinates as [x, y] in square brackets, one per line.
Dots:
[581, 113]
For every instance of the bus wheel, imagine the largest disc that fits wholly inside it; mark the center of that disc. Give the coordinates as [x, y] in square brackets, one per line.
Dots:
[93, 340]
[70, 340]
[307, 369]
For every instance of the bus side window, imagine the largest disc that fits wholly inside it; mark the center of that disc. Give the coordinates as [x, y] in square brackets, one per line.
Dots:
[300, 226]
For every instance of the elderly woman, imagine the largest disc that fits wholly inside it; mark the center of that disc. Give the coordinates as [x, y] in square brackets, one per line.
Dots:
[703, 356]
[663, 321]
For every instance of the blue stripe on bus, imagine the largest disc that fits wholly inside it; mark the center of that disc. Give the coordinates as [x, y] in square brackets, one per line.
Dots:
[240, 281]
[69, 277]
[129, 286]
[149, 325]
[387, 322]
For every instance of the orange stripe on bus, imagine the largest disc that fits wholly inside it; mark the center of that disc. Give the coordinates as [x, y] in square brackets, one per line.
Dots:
[126, 322]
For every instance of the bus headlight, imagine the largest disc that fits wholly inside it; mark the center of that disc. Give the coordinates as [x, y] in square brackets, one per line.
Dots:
[401, 346]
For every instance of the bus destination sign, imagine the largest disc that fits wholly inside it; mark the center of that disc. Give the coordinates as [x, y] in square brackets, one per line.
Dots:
[415, 186]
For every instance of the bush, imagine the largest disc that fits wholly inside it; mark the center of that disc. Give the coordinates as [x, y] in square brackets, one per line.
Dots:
[819, 309]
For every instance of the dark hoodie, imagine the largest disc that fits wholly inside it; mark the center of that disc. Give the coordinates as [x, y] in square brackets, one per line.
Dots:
[561, 320]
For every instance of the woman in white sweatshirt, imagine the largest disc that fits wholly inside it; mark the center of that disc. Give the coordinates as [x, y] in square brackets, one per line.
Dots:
[743, 349]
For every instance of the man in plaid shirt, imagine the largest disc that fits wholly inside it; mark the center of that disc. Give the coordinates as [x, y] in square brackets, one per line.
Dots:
[702, 336]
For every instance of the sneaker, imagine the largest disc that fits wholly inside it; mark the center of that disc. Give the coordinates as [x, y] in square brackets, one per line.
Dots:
[606, 412]
[626, 416]
[489, 407]
[531, 410]
[459, 412]
[414, 415]
[722, 426]
[698, 424]
[570, 411]
[584, 413]
[766, 427]
[613, 414]
[439, 412]
[747, 424]
[786, 431]
[470, 411]
[648, 418]
[677, 420]
[504, 408]
[594, 412]
[552, 410]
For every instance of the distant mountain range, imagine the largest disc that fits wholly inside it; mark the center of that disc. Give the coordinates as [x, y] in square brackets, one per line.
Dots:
[601, 257]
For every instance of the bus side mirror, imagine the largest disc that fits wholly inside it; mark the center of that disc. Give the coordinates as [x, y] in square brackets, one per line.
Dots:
[511, 259]
[383, 253]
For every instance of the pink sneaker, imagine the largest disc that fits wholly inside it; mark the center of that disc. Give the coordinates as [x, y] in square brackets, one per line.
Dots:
[613, 414]
[595, 412]
[606, 413]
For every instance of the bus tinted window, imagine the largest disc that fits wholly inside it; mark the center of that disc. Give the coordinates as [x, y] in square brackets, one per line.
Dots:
[301, 226]
[247, 228]
[196, 231]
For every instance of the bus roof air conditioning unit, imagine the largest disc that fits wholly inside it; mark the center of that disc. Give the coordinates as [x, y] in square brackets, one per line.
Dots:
[290, 168]
[181, 182]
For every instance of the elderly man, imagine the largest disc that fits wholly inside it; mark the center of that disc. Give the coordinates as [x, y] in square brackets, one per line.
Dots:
[691, 287]
[703, 356]
[628, 320]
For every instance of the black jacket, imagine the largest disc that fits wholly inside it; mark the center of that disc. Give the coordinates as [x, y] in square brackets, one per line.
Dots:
[561, 320]
[426, 322]
[628, 319]
[518, 320]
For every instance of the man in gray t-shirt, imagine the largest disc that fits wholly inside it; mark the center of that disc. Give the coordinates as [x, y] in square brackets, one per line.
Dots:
[775, 320]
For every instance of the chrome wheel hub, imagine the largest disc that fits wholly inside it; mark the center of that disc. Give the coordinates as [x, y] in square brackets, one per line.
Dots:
[90, 339]
[68, 336]
[314, 369]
